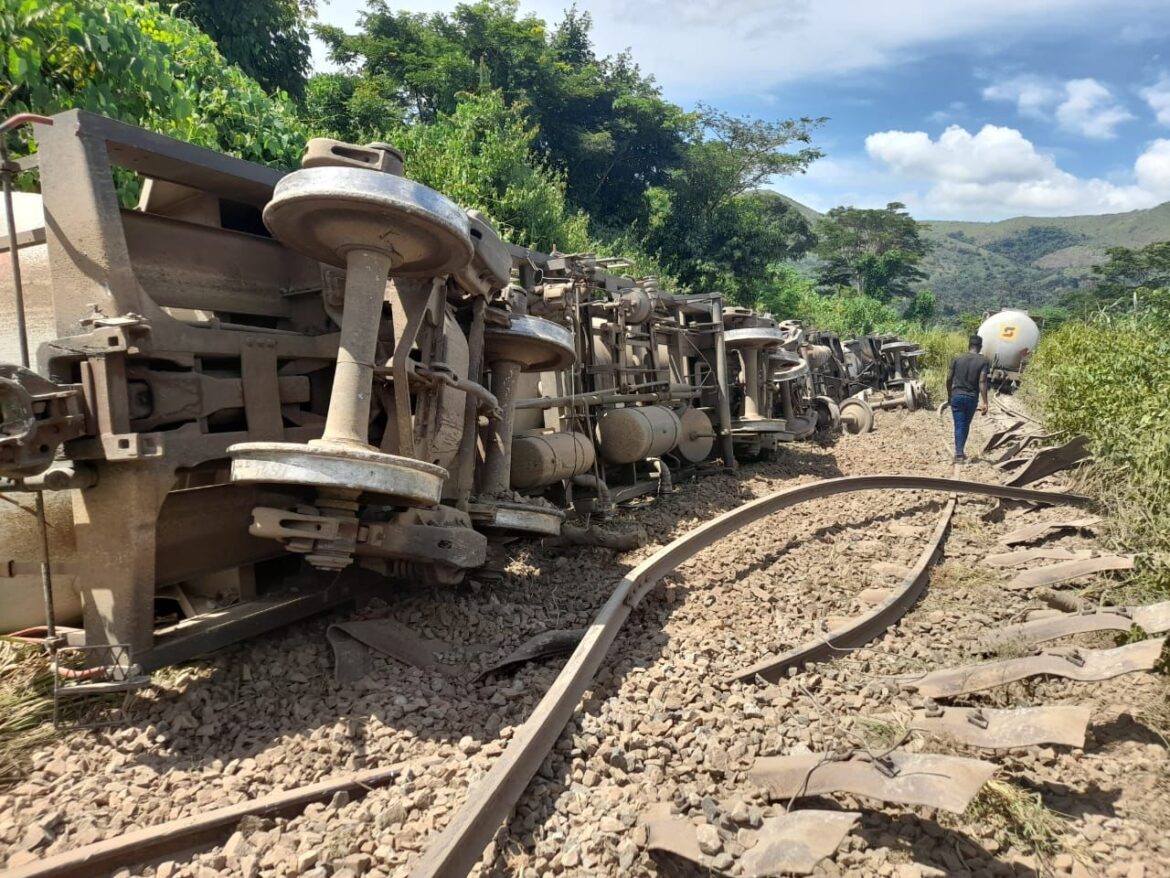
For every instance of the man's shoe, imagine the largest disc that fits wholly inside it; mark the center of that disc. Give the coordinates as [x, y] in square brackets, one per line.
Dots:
[960, 458]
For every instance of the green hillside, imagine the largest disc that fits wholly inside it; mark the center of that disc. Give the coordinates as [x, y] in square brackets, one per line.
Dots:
[1024, 262]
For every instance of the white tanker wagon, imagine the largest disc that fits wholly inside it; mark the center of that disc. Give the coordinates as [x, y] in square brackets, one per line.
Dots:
[1009, 340]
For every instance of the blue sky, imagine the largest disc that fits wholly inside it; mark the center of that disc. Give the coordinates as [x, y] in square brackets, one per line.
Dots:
[962, 109]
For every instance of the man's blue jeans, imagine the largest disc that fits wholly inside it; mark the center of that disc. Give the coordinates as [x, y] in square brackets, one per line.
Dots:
[963, 411]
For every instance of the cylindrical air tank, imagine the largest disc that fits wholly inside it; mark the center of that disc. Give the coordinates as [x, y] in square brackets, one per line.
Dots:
[632, 434]
[1008, 338]
[541, 459]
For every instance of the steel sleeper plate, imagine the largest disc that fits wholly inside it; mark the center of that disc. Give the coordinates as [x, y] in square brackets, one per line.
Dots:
[1086, 665]
[930, 779]
[1036, 531]
[1067, 570]
[1000, 729]
[1153, 619]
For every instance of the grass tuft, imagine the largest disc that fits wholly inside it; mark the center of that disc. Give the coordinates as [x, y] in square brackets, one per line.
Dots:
[1017, 817]
[26, 707]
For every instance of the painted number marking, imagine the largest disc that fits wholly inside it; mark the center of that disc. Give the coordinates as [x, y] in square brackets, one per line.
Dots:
[1008, 332]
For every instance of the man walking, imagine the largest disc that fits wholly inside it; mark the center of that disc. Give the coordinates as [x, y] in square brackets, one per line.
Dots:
[967, 381]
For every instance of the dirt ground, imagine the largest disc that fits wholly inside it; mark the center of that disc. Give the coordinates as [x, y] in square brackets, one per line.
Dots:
[662, 722]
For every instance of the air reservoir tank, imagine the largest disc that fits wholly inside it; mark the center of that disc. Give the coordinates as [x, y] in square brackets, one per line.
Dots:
[1009, 338]
[632, 434]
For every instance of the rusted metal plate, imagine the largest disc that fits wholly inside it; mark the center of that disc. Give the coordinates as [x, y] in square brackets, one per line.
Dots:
[793, 844]
[1052, 460]
[790, 844]
[999, 729]
[673, 834]
[1041, 529]
[460, 844]
[1027, 556]
[1153, 619]
[351, 642]
[1067, 570]
[853, 633]
[1085, 665]
[543, 645]
[930, 779]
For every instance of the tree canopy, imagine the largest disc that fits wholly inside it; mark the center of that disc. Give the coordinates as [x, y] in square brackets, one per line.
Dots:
[134, 62]
[1126, 271]
[875, 252]
[598, 121]
[268, 39]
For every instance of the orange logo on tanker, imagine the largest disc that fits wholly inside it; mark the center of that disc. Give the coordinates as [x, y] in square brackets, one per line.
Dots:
[1008, 332]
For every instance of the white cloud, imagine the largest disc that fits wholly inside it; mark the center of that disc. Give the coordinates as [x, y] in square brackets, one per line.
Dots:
[1152, 168]
[997, 172]
[1032, 95]
[1158, 97]
[1090, 110]
[709, 48]
[1079, 106]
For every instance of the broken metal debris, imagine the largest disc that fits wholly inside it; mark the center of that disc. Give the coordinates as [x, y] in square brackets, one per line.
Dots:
[794, 843]
[998, 729]
[930, 779]
[1052, 460]
[789, 844]
[544, 645]
[1085, 665]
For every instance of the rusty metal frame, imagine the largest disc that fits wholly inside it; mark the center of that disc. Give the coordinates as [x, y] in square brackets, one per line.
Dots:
[1068, 570]
[1152, 618]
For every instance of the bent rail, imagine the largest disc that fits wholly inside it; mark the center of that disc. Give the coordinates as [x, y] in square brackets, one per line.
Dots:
[461, 843]
[865, 627]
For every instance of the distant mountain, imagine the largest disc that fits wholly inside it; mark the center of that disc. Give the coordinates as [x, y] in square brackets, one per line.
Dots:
[1024, 262]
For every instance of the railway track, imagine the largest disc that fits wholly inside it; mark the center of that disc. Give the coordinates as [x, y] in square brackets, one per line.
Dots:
[456, 850]
[489, 802]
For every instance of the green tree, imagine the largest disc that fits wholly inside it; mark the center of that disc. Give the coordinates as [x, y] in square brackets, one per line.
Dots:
[921, 308]
[598, 121]
[875, 252]
[268, 39]
[134, 62]
[1128, 274]
[479, 156]
[711, 225]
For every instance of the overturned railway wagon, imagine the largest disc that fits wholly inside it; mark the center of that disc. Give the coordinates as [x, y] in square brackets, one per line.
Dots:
[256, 392]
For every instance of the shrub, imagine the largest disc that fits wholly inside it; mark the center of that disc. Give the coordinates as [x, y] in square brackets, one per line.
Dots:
[1108, 377]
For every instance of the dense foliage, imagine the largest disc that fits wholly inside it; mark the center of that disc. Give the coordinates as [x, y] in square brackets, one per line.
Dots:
[134, 62]
[1133, 274]
[268, 39]
[875, 252]
[1108, 377]
[685, 188]
[479, 155]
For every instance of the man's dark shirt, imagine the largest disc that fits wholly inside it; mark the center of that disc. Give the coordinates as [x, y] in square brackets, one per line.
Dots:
[967, 373]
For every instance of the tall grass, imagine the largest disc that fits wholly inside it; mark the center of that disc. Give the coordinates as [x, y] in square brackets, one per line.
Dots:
[942, 346]
[1108, 377]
